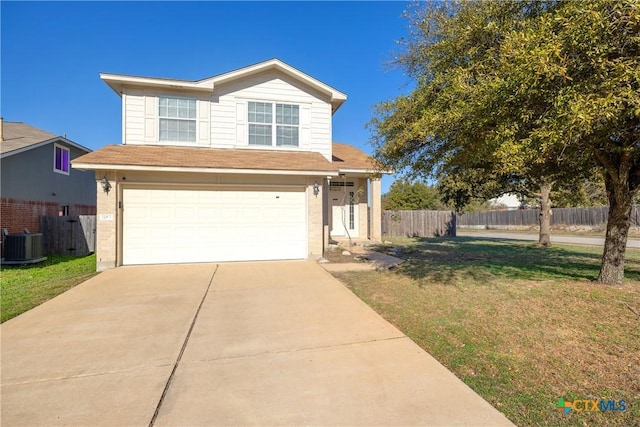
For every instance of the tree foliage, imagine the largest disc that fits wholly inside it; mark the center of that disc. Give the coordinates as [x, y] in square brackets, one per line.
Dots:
[534, 94]
[406, 195]
[581, 194]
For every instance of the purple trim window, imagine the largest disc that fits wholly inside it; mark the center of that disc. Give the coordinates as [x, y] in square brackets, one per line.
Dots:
[61, 160]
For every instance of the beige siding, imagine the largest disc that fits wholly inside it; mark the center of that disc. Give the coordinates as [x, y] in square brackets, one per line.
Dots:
[107, 218]
[363, 204]
[140, 117]
[222, 116]
[134, 118]
[315, 228]
[375, 230]
[185, 178]
[229, 110]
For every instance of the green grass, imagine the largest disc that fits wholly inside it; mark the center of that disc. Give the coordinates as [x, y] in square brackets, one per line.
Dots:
[521, 325]
[27, 286]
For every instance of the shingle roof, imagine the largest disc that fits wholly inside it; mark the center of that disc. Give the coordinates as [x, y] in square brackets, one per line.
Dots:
[348, 157]
[208, 158]
[118, 82]
[18, 135]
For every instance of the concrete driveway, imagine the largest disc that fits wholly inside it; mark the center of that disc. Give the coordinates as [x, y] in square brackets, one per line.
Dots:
[274, 343]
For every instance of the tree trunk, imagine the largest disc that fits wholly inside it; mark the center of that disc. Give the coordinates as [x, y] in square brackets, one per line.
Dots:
[545, 215]
[615, 244]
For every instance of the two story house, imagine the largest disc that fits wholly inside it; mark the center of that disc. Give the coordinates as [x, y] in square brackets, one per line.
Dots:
[236, 167]
[36, 178]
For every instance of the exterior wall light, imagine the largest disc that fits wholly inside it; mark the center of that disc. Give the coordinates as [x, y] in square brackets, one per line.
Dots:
[106, 186]
[316, 189]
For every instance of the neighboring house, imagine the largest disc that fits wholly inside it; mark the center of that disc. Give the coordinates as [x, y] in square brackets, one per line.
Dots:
[37, 179]
[235, 167]
[508, 201]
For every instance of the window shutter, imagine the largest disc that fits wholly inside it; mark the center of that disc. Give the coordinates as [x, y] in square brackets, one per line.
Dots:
[204, 116]
[150, 119]
[305, 126]
[241, 123]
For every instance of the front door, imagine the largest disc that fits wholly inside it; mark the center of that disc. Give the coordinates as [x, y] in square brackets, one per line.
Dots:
[344, 210]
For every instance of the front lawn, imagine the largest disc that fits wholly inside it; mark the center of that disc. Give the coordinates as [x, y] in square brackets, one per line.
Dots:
[521, 325]
[27, 286]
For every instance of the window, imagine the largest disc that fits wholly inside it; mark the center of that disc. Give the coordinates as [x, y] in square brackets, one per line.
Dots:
[352, 211]
[260, 123]
[177, 119]
[287, 121]
[60, 159]
[339, 185]
[281, 127]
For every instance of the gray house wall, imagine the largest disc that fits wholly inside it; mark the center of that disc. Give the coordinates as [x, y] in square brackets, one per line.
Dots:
[29, 176]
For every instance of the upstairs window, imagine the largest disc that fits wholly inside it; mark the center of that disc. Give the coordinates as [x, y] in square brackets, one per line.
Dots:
[260, 123]
[177, 119]
[60, 159]
[267, 128]
[287, 125]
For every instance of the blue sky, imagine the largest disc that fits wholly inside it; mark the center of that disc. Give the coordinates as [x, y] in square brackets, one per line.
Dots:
[52, 53]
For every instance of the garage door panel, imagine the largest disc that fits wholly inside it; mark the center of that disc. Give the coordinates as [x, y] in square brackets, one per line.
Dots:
[181, 225]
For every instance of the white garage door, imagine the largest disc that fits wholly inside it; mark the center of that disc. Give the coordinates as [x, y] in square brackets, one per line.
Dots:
[180, 225]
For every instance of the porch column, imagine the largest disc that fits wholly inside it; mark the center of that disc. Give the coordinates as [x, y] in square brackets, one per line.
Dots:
[376, 210]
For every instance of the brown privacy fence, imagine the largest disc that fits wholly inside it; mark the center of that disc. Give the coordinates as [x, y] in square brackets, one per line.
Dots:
[591, 216]
[69, 235]
[418, 223]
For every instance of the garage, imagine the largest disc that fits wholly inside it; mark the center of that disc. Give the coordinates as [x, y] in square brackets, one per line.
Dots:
[181, 225]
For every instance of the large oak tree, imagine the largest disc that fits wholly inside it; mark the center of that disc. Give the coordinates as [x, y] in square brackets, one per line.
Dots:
[534, 93]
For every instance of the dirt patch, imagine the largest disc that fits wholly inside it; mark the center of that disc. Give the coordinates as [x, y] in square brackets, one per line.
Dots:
[338, 255]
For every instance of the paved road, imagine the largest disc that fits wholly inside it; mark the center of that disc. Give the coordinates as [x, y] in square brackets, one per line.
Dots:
[273, 343]
[573, 240]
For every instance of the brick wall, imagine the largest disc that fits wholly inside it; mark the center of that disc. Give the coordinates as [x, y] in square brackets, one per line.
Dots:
[16, 214]
[315, 227]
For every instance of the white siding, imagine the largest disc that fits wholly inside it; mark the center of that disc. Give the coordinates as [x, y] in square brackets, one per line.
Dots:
[141, 117]
[222, 115]
[229, 110]
[134, 119]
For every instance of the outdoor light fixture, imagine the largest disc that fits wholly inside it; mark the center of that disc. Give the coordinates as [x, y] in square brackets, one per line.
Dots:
[316, 189]
[105, 184]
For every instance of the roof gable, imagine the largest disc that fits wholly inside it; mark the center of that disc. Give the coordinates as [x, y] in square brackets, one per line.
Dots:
[18, 137]
[118, 82]
[349, 158]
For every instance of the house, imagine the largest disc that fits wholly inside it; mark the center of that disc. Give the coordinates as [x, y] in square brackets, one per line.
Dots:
[508, 201]
[37, 179]
[235, 167]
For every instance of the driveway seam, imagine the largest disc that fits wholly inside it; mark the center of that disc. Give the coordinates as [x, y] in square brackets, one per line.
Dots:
[77, 376]
[346, 344]
[184, 346]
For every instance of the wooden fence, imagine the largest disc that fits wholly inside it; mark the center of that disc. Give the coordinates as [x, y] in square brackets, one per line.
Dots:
[69, 235]
[591, 216]
[418, 223]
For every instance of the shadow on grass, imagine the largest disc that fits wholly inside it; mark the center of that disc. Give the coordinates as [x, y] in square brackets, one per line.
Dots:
[51, 260]
[450, 259]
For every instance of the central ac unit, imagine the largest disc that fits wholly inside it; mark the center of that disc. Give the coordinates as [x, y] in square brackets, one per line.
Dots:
[23, 247]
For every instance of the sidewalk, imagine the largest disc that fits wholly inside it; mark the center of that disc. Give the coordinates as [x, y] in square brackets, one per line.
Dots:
[560, 238]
